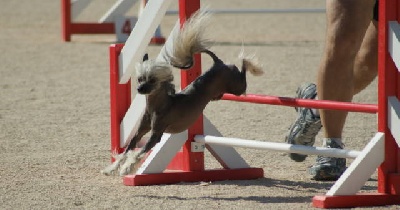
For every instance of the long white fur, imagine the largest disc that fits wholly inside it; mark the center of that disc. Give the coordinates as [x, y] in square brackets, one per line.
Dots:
[131, 163]
[109, 170]
[151, 68]
[191, 34]
[251, 63]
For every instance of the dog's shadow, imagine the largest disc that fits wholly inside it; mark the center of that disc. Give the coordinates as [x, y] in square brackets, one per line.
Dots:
[259, 199]
[307, 187]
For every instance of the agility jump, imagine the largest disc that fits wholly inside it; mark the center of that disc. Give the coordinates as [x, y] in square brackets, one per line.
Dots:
[70, 10]
[381, 152]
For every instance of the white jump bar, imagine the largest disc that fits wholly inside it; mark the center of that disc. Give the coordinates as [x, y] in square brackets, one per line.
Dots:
[283, 147]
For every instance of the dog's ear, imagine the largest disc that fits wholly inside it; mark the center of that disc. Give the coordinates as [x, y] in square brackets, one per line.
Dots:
[145, 57]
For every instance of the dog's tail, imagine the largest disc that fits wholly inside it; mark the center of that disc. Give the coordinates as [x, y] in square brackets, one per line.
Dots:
[251, 64]
[190, 40]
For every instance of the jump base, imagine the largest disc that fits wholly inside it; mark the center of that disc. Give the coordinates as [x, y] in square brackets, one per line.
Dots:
[171, 177]
[357, 200]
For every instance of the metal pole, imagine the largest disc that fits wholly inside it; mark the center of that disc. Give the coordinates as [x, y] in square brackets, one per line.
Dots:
[282, 147]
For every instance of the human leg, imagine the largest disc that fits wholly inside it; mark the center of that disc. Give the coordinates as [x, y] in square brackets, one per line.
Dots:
[345, 69]
[366, 63]
[347, 23]
[364, 71]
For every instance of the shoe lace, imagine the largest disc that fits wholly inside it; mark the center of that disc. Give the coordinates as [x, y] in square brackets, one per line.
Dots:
[338, 163]
[311, 128]
[324, 160]
[330, 160]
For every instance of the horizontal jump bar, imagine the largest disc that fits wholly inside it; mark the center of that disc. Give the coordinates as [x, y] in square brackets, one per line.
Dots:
[252, 11]
[296, 102]
[92, 28]
[283, 147]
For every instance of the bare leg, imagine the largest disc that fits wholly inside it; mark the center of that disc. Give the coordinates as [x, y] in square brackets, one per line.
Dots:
[348, 65]
[366, 63]
[347, 23]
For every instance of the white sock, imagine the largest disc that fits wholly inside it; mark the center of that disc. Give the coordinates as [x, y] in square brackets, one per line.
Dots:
[337, 140]
[315, 111]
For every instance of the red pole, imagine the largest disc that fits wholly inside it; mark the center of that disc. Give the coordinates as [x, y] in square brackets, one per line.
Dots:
[192, 161]
[66, 20]
[295, 102]
[120, 98]
[387, 87]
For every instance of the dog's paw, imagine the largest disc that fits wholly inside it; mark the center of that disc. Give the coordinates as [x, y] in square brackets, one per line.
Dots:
[109, 170]
[125, 170]
[128, 168]
[130, 162]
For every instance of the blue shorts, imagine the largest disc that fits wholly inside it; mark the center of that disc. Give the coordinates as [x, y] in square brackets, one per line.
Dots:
[375, 17]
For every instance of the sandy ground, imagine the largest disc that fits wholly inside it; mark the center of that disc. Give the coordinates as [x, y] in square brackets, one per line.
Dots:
[54, 112]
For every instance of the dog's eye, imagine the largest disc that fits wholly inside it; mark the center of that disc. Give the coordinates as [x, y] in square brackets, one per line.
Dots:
[140, 79]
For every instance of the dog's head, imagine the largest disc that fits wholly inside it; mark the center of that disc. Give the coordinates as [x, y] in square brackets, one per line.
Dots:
[151, 75]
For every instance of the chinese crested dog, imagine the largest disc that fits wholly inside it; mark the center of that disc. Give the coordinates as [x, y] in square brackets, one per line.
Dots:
[170, 112]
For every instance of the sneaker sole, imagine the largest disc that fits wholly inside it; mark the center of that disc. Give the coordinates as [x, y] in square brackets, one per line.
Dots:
[297, 157]
[323, 174]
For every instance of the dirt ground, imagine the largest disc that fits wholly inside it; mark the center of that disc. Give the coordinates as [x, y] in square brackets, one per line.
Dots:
[55, 113]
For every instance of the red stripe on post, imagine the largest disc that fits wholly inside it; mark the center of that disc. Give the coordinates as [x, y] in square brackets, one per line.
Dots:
[192, 161]
[66, 20]
[120, 98]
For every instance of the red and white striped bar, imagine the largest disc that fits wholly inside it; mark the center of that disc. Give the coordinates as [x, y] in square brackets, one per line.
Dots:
[282, 147]
[295, 102]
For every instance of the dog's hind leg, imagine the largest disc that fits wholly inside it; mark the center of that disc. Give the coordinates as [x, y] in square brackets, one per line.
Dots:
[135, 157]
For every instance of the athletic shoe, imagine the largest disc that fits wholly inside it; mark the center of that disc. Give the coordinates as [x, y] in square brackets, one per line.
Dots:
[307, 125]
[328, 168]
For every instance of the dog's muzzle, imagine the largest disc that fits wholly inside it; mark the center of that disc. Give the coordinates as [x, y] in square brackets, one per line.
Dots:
[144, 88]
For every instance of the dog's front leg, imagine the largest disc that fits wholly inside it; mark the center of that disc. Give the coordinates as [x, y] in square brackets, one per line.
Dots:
[135, 157]
[127, 156]
[144, 127]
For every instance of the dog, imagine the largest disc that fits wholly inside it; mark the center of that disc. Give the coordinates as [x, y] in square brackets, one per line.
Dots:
[171, 112]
